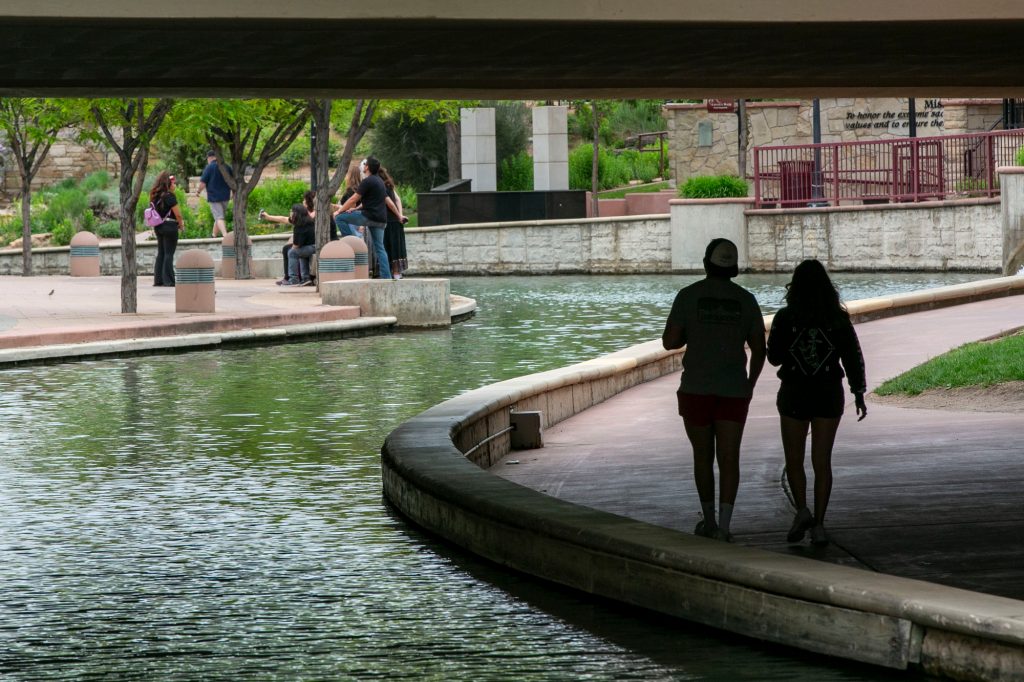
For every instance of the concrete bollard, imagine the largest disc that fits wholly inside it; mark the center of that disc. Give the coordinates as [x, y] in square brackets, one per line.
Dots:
[85, 255]
[193, 283]
[362, 256]
[337, 261]
[227, 256]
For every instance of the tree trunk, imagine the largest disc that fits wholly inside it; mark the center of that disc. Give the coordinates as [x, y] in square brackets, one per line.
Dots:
[243, 254]
[129, 266]
[26, 226]
[595, 163]
[453, 133]
[321, 114]
[741, 158]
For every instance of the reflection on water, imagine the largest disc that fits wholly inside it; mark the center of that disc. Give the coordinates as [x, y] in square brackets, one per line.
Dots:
[218, 515]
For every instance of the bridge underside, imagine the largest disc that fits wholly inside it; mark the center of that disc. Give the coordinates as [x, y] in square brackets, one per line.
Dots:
[508, 59]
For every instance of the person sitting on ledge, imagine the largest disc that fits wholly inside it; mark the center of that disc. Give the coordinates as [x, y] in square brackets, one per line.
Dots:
[309, 200]
[302, 248]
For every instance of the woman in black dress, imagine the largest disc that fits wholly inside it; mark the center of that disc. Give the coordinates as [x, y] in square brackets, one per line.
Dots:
[394, 233]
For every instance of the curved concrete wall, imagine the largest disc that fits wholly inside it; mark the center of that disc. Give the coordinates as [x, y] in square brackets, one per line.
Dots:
[837, 610]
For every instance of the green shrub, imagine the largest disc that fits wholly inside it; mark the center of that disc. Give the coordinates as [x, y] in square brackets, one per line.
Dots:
[713, 187]
[67, 203]
[642, 166]
[109, 230]
[61, 232]
[612, 170]
[516, 173]
[298, 153]
[101, 200]
[10, 228]
[98, 180]
[407, 193]
[276, 196]
[1020, 156]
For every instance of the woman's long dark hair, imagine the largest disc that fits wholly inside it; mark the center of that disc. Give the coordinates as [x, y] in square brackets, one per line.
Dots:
[309, 199]
[161, 186]
[299, 215]
[811, 296]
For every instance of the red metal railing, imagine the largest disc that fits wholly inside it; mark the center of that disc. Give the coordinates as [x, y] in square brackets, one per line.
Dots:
[881, 171]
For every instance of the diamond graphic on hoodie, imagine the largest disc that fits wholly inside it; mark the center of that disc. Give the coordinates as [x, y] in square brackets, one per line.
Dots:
[811, 349]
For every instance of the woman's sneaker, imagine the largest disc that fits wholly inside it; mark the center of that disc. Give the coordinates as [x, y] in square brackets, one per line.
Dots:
[802, 522]
[818, 535]
[705, 529]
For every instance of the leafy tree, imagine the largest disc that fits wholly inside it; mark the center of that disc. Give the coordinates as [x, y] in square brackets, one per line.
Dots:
[31, 125]
[127, 126]
[247, 136]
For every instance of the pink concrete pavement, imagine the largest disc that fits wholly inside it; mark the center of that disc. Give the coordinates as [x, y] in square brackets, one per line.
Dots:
[38, 311]
[927, 494]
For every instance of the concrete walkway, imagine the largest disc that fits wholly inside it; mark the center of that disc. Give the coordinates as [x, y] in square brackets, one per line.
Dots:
[53, 317]
[927, 494]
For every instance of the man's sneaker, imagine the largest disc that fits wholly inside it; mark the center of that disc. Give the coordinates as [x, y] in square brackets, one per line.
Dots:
[723, 535]
[705, 530]
[281, 282]
[292, 284]
[306, 283]
[818, 535]
[802, 522]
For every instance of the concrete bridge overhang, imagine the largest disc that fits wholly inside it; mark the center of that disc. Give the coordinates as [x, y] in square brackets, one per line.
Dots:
[532, 49]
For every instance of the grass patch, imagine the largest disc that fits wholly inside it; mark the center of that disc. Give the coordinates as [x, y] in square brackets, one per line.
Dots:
[982, 363]
[621, 193]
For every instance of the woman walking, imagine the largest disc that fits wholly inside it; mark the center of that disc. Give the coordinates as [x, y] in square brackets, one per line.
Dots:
[166, 204]
[810, 338]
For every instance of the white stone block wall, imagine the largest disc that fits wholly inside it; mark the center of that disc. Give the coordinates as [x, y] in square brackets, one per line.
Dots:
[596, 245]
[940, 236]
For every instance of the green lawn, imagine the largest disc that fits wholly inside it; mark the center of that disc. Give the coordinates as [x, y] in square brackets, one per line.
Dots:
[983, 363]
[621, 193]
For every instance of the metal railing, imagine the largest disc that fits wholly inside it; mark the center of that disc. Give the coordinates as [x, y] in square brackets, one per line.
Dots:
[883, 171]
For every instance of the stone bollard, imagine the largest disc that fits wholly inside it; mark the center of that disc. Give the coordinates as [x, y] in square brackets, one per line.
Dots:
[193, 282]
[362, 256]
[337, 261]
[227, 257]
[85, 255]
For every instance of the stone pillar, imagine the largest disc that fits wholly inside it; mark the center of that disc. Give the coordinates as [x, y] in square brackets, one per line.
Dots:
[360, 256]
[550, 148]
[337, 261]
[193, 283]
[1011, 200]
[85, 255]
[479, 158]
[695, 222]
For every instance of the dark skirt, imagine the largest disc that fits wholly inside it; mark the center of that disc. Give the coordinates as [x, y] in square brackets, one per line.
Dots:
[394, 244]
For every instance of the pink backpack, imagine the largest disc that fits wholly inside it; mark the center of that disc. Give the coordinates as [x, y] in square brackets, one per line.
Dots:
[151, 216]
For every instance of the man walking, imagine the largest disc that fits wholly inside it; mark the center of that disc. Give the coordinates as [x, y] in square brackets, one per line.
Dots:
[714, 318]
[218, 193]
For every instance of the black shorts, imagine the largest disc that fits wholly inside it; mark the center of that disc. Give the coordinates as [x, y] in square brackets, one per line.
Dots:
[807, 401]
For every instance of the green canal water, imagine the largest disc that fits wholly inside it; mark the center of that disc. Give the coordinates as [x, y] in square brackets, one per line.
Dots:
[218, 515]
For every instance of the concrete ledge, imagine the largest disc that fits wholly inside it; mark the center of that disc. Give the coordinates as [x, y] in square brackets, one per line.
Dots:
[827, 608]
[415, 302]
[138, 346]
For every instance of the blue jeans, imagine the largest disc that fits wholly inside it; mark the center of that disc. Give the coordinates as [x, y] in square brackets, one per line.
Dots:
[348, 221]
[383, 264]
[298, 263]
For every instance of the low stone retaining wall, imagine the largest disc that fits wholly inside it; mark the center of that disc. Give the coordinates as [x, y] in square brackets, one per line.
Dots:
[636, 244]
[432, 473]
[939, 235]
[56, 260]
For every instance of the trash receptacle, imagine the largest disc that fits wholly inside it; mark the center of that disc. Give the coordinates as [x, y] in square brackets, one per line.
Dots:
[361, 254]
[193, 283]
[85, 255]
[795, 182]
[227, 256]
[337, 261]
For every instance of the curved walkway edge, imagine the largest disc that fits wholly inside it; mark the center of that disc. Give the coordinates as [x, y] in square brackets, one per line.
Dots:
[826, 608]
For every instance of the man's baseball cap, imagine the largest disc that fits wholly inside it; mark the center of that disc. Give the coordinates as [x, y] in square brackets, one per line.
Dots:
[721, 258]
[211, 153]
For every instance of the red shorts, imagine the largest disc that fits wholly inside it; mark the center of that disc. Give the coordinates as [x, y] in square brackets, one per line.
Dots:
[703, 410]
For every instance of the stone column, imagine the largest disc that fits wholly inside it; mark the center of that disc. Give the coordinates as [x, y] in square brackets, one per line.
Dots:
[550, 148]
[478, 149]
[695, 222]
[1011, 199]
